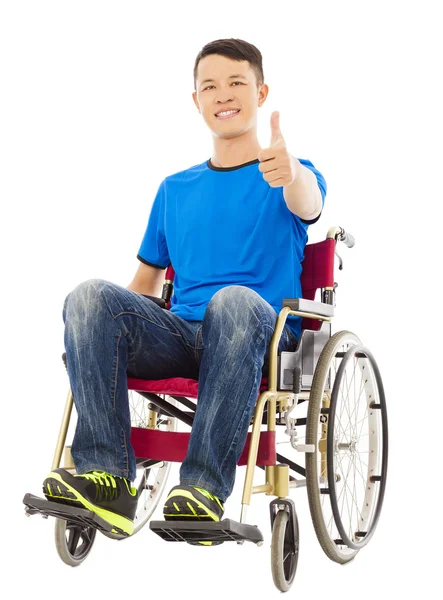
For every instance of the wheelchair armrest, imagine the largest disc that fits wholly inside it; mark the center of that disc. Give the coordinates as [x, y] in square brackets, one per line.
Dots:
[309, 306]
[158, 301]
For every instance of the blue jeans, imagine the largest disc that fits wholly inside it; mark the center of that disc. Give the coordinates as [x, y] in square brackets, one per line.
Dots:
[112, 333]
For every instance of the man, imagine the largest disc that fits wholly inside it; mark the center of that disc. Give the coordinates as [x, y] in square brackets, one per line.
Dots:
[234, 228]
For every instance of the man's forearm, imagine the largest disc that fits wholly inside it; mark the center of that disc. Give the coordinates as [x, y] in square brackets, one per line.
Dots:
[303, 196]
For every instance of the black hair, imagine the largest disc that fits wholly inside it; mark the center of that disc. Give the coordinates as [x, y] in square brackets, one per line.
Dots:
[234, 49]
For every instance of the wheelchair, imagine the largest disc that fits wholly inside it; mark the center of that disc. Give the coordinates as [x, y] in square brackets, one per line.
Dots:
[342, 435]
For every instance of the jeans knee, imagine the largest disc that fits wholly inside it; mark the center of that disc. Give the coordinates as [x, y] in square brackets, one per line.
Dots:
[233, 295]
[242, 304]
[85, 297]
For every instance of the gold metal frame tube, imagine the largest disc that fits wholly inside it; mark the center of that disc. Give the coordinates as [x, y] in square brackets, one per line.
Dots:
[63, 431]
[259, 489]
[271, 396]
[309, 315]
[152, 419]
[322, 444]
[253, 446]
[281, 481]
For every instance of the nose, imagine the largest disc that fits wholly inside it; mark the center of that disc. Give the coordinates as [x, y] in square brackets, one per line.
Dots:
[225, 101]
[224, 96]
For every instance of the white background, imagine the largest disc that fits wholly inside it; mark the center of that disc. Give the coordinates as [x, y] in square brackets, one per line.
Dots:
[96, 111]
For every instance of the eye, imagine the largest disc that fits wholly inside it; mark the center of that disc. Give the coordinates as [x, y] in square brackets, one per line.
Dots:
[209, 86]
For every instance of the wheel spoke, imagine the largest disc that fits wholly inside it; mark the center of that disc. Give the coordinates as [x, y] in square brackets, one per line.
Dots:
[346, 483]
[354, 503]
[74, 533]
[360, 472]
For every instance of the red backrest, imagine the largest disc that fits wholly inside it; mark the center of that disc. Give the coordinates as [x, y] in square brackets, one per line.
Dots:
[317, 272]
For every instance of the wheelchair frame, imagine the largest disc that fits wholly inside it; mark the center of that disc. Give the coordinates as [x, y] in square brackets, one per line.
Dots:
[290, 377]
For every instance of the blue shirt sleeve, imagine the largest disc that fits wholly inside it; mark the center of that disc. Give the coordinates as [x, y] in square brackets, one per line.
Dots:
[153, 249]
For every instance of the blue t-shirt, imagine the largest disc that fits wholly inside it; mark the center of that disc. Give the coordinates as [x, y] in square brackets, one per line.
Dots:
[221, 226]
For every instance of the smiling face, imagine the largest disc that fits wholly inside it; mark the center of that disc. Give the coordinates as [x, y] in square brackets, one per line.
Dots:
[232, 85]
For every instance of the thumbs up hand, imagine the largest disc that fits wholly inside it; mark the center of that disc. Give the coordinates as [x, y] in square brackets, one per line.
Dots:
[277, 140]
[279, 168]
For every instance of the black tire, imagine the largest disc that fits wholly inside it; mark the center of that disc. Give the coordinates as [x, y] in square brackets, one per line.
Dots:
[284, 552]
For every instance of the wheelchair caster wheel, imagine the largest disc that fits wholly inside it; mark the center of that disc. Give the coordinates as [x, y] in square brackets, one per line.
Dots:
[284, 549]
[73, 541]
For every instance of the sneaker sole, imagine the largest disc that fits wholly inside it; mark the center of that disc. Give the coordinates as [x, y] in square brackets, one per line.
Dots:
[181, 502]
[208, 543]
[68, 494]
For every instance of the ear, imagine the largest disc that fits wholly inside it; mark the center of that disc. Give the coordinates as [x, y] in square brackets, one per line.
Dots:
[194, 97]
[262, 94]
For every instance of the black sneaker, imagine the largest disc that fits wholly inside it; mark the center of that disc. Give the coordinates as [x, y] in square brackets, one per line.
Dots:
[111, 498]
[194, 503]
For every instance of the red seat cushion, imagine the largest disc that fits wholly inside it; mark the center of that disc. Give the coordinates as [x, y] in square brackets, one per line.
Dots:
[174, 386]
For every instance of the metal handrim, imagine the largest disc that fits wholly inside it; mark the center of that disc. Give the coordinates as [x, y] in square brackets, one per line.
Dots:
[366, 458]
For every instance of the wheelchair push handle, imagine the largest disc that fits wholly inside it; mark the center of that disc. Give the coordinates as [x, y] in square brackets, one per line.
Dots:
[340, 235]
[347, 238]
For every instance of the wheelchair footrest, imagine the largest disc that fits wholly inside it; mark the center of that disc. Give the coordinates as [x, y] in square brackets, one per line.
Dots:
[80, 516]
[221, 531]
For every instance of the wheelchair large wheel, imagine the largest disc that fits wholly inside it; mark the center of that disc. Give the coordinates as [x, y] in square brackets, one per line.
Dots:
[151, 476]
[347, 424]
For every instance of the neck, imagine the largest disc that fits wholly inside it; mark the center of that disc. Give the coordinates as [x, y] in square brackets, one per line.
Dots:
[233, 151]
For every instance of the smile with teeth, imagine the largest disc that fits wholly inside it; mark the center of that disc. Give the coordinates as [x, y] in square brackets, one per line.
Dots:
[226, 114]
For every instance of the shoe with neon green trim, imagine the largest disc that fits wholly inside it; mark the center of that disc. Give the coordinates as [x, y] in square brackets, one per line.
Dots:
[111, 498]
[194, 503]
